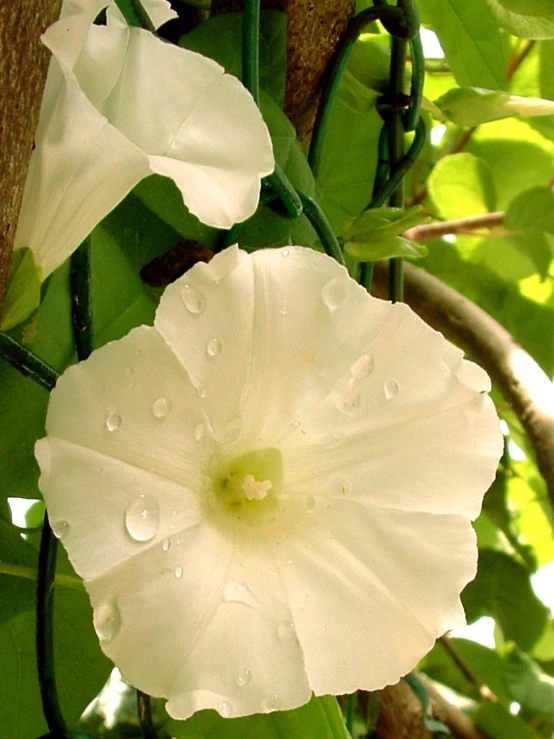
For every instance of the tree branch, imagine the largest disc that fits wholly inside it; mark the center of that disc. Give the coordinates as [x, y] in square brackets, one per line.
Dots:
[520, 379]
[23, 67]
[400, 714]
[458, 226]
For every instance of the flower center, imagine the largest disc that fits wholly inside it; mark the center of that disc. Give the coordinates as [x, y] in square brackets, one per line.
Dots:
[247, 486]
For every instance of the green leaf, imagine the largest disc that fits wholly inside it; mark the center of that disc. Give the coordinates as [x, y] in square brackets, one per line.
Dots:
[380, 223]
[462, 185]
[498, 723]
[320, 718]
[220, 37]
[527, 18]
[471, 106]
[532, 688]
[392, 246]
[369, 63]
[471, 41]
[23, 289]
[516, 609]
[532, 209]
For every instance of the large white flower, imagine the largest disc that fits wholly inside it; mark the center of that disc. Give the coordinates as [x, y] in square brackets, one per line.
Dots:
[120, 104]
[269, 492]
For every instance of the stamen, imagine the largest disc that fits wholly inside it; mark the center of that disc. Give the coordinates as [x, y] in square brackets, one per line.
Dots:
[254, 489]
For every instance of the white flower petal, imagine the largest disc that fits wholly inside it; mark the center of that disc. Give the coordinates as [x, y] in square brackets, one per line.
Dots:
[119, 104]
[371, 589]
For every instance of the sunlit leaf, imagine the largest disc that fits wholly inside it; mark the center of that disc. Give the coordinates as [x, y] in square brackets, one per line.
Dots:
[528, 684]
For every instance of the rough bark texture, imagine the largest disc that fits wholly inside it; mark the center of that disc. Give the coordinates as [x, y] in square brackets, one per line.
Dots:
[23, 67]
[314, 28]
[520, 379]
[400, 714]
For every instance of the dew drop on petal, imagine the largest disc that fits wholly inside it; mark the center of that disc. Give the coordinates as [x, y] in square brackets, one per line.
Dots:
[339, 484]
[226, 709]
[335, 292]
[178, 572]
[107, 620]
[229, 432]
[285, 630]
[285, 252]
[363, 367]
[238, 592]
[390, 389]
[113, 422]
[129, 371]
[244, 678]
[199, 431]
[213, 347]
[201, 392]
[193, 300]
[142, 518]
[285, 310]
[161, 407]
[166, 544]
[271, 703]
[309, 503]
[350, 403]
[60, 529]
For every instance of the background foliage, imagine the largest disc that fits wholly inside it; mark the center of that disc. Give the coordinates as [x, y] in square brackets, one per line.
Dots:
[489, 150]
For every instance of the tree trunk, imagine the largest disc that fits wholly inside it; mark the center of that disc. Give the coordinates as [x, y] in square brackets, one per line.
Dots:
[313, 31]
[23, 67]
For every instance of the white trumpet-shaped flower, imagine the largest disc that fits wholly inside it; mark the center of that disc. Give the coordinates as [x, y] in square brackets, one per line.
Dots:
[121, 104]
[269, 492]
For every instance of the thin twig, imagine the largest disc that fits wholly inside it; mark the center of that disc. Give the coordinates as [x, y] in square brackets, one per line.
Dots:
[484, 691]
[457, 226]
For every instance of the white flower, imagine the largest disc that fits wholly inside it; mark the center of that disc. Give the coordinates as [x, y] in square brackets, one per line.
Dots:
[269, 492]
[120, 104]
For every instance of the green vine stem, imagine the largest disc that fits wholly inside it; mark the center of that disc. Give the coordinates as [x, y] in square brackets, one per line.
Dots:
[144, 710]
[317, 218]
[250, 48]
[134, 13]
[24, 361]
[81, 300]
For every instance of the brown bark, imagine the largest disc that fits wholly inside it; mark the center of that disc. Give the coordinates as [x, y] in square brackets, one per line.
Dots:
[516, 374]
[400, 714]
[314, 29]
[23, 67]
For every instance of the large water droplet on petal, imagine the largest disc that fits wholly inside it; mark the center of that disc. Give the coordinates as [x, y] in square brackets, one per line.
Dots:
[226, 709]
[193, 300]
[285, 630]
[271, 703]
[391, 389]
[229, 432]
[363, 367]
[161, 407]
[238, 592]
[142, 518]
[113, 422]
[244, 678]
[335, 292]
[178, 572]
[107, 620]
[213, 347]
[60, 529]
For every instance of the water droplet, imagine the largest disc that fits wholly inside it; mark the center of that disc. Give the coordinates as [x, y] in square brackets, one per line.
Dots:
[129, 371]
[226, 709]
[271, 703]
[309, 503]
[285, 630]
[107, 620]
[201, 392]
[285, 252]
[228, 433]
[339, 484]
[138, 352]
[131, 385]
[166, 543]
[178, 572]
[199, 431]
[161, 407]
[213, 347]
[285, 310]
[350, 403]
[363, 367]
[391, 389]
[113, 422]
[238, 592]
[60, 529]
[193, 300]
[335, 292]
[142, 518]
[244, 678]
